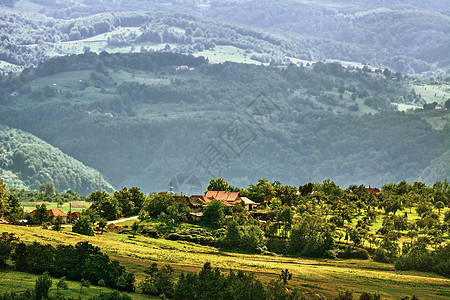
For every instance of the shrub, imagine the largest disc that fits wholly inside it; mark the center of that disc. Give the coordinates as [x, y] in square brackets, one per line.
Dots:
[356, 253]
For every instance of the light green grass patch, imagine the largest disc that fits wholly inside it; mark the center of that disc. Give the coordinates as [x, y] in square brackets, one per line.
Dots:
[221, 54]
[18, 282]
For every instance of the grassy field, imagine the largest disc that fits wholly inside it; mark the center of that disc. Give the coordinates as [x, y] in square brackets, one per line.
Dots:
[12, 281]
[30, 206]
[323, 278]
[433, 92]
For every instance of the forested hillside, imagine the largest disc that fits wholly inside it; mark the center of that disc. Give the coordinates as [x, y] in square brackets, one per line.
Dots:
[407, 36]
[145, 118]
[26, 162]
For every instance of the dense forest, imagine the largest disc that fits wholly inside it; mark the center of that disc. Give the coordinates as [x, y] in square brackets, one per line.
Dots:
[142, 121]
[27, 162]
[377, 33]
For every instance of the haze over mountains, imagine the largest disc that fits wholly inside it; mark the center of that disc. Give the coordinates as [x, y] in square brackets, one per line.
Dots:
[153, 119]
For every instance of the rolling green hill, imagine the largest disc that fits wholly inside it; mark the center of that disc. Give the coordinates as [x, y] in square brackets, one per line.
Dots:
[144, 122]
[27, 161]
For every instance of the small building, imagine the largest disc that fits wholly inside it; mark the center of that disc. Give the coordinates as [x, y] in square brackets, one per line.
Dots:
[373, 191]
[249, 204]
[198, 200]
[227, 198]
[182, 67]
[53, 213]
[74, 215]
[196, 216]
[4, 221]
[268, 199]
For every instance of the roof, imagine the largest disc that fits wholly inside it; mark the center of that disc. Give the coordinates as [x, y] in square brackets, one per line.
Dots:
[181, 199]
[374, 191]
[222, 195]
[268, 199]
[3, 221]
[197, 214]
[198, 200]
[77, 203]
[75, 214]
[56, 212]
[248, 201]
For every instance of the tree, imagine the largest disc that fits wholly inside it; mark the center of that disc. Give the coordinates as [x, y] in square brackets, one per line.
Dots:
[157, 203]
[233, 238]
[125, 199]
[158, 281]
[42, 286]
[213, 214]
[84, 283]
[218, 184]
[261, 190]
[439, 205]
[40, 214]
[102, 224]
[138, 198]
[62, 284]
[107, 207]
[5, 207]
[83, 226]
[285, 216]
[58, 222]
[135, 228]
[47, 189]
[6, 246]
[285, 276]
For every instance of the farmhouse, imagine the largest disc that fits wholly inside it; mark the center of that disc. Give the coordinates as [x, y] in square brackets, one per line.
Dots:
[53, 213]
[373, 191]
[231, 199]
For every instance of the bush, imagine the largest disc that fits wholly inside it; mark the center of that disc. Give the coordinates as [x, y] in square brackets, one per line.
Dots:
[355, 253]
[194, 235]
[276, 245]
[151, 232]
[83, 226]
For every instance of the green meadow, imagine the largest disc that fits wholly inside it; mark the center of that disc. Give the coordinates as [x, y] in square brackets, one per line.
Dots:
[316, 278]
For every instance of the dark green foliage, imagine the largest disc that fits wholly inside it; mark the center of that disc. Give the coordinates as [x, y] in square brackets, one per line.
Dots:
[82, 261]
[354, 253]
[37, 165]
[62, 284]
[419, 258]
[302, 140]
[312, 237]
[344, 296]
[40, 214]
[107, 207]
[158, 281]
[83, 225]
[42, 286]
[213, 214]
[367, 296]
[218, 184]
[114, 295]
[196, 235]
[211, 284]
[7, 241]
